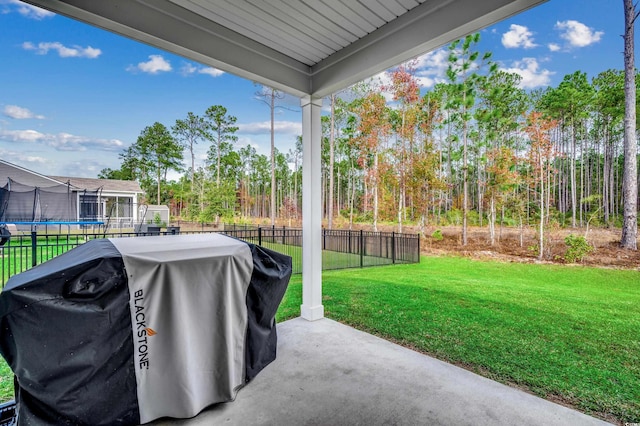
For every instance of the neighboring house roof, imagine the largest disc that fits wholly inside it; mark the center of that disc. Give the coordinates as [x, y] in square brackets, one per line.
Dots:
[31, 178]
[106, 184]
[24, 176]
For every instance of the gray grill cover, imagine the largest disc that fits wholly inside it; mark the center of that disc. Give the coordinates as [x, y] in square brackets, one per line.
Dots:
[128, 330]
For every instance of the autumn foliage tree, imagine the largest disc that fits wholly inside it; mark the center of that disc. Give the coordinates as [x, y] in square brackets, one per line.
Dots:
[373, 130]
[541, 155]
[502, 176]
[406, 92]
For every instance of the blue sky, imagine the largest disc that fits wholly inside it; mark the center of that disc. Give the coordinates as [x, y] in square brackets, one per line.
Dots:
[72, 96]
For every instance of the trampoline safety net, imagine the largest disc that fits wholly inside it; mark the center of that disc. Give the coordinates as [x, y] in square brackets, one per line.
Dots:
[25, 203]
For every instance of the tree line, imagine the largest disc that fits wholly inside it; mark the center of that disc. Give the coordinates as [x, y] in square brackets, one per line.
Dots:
[475, 149]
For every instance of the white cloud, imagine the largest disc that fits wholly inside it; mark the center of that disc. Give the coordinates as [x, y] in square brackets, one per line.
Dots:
[244, 141]
[69, 142]
[578, 34]
[19, 113]
[83, 168]
[154, 65]
[189, 69]
[18, 157]
[437, 60]
[518, 36]
[61, 141]
[432, 67]
[426, 82]
[280, 127]
[553, 47]
[21, 135]
[27, 10]
[63, 51]
[213, 72]
[532, 75]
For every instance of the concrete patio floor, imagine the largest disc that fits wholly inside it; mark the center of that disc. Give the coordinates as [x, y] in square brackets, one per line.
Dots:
[327, 373]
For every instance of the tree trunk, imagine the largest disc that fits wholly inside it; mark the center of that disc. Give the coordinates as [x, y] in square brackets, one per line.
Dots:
[331, 161]
[273, 160]
[465, 185]
[492, 219]
[582, 181]
[218, 152]
[541, 227]
[193, 164]
[375, 192]
[629, 180]
[352, 199]
[574, 190]
[159, 177]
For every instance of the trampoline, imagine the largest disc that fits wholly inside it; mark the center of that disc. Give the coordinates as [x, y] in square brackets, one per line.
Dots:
[57, 205]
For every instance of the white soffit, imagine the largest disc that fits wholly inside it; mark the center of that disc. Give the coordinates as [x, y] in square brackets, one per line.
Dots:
[304, 47]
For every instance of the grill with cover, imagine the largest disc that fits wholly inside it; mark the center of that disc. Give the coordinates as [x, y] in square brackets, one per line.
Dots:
[128, 330]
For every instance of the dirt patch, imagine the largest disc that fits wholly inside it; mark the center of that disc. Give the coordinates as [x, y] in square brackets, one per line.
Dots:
[515, 246]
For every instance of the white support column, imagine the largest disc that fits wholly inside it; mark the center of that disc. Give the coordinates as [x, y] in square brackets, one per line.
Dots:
[311, 308]
[134, 209]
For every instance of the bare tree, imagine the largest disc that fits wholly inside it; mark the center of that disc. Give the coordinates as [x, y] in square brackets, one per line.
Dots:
[629, 180]
[268, 95]
[332, 143]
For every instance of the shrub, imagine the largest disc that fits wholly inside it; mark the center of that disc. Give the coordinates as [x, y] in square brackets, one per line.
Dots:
[454, 217]
[157, 219]
[437, 235]
[577, 248]
[473, 218]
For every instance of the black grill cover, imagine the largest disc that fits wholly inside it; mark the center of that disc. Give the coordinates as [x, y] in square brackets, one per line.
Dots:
[124, 331]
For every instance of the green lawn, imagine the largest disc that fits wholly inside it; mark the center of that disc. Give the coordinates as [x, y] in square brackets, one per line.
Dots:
[330, 259]
[566, 333]
[17, 255]
[6, 382]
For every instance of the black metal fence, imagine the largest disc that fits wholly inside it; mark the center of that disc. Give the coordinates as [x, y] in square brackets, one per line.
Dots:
[342, 249]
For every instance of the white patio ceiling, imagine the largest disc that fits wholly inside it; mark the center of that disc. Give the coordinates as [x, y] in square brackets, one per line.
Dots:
[303, 47]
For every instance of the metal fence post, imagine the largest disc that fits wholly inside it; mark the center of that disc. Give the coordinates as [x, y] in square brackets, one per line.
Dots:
[34, 245]
[361, 249]
[259, 235]
[324, 239]
[393, 247]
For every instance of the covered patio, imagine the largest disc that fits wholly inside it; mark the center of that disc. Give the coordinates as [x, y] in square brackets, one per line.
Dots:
[328, 373]
[309, 49]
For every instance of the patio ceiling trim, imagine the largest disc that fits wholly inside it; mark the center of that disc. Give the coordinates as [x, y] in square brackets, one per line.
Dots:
[187, 28]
